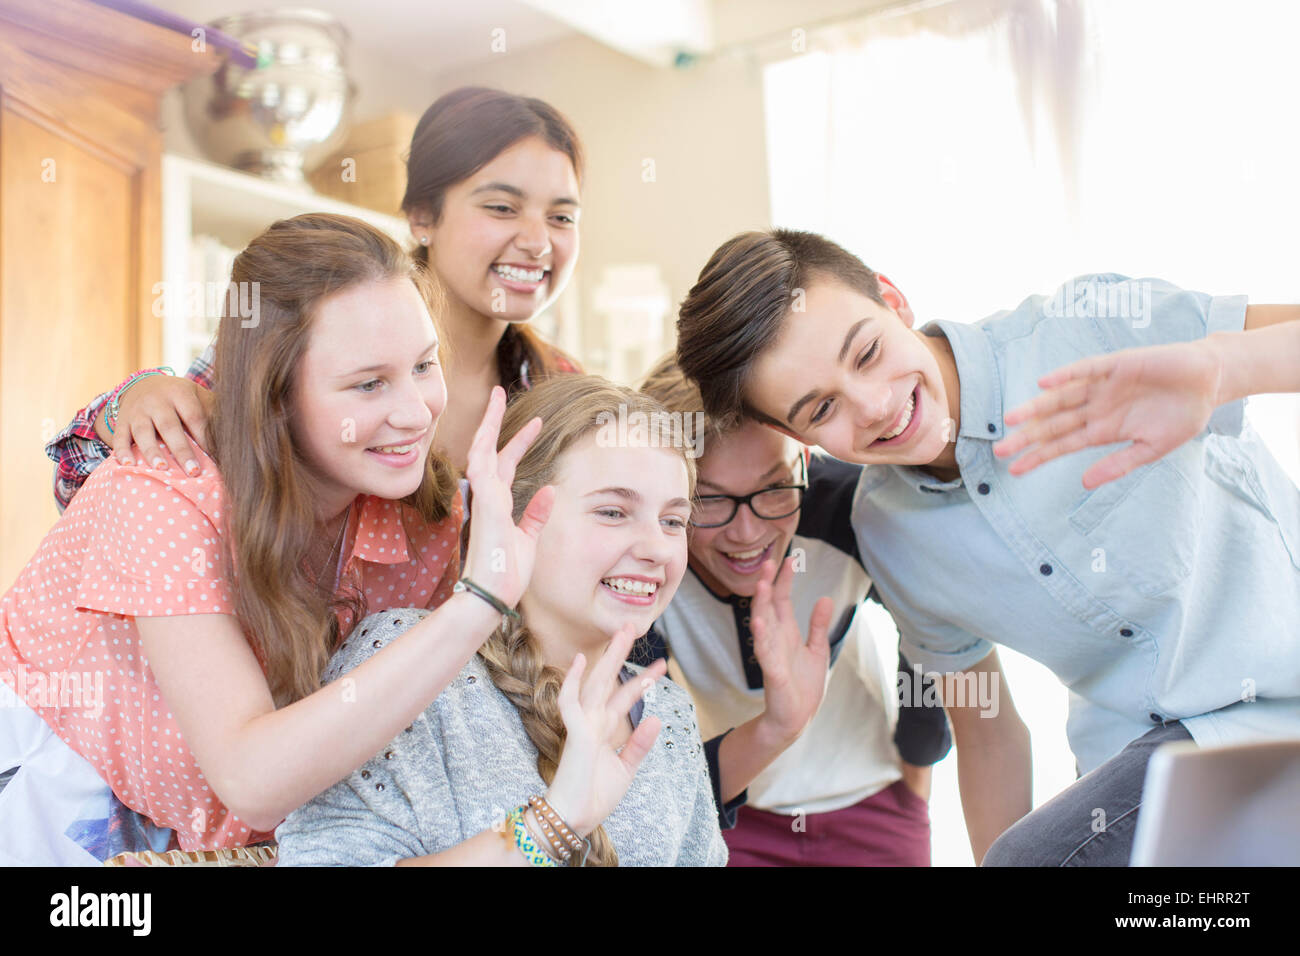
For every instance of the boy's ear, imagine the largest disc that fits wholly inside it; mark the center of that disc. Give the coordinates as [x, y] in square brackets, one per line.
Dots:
[896, 300]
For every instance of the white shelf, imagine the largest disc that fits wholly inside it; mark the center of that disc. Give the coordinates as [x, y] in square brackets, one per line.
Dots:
[200, 198]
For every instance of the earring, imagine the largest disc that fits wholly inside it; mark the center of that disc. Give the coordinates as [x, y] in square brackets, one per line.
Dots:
[424, 240]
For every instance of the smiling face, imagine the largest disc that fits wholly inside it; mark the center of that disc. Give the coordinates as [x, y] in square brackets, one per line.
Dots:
[614, 548]
[746, 459]
[507, 239]
[367, 392]
[865, 387]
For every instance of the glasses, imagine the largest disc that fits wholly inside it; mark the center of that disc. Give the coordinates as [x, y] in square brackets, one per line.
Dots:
[714, 511]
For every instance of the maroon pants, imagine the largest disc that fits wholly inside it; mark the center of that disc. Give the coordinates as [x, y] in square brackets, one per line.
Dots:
[888, 828]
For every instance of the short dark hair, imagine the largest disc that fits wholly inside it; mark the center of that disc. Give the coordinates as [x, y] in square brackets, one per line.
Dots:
[734, 311]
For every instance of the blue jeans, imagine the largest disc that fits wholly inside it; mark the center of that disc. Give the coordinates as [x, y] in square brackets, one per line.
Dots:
[1091, 822]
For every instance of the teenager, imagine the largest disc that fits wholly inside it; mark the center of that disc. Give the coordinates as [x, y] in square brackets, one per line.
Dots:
[529, 742]
[492, 197]
[1156, 598]
[202, 609]
[836, 788]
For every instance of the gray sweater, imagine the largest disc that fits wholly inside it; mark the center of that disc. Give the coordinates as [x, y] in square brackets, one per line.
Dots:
[466, 762]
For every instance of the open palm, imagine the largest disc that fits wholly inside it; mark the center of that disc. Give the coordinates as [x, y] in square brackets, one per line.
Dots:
[1156, 398]
[794, 671]
[501, 554]
[594, 771]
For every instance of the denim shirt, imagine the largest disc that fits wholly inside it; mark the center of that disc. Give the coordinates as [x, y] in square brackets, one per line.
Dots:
[1170, 594]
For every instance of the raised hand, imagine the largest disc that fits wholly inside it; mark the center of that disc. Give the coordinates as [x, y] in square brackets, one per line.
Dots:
[1155, 397]
[594, 772]
[500, 554]
[794, 672]
[162, 409]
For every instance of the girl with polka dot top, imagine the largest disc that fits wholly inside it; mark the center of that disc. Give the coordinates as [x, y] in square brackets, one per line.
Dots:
[168, 637]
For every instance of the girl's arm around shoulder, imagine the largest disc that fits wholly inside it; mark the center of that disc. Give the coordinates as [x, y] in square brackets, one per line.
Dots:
[264, 762]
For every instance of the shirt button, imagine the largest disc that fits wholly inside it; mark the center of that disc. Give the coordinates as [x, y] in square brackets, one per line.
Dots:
[1126, 632]
[365, 775]
[1156, 718]
[983, 488]
[1045, 569]
[992, 428]
[744, 602]
[388, 755]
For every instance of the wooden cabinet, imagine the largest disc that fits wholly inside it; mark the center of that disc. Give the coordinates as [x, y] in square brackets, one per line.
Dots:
[80, 228]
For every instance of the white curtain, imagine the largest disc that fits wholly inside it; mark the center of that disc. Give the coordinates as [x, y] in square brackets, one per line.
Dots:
[977, 152]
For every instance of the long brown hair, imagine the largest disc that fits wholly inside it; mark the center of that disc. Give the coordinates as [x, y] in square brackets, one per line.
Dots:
[570, 407]
[285, 273]
[458, 135]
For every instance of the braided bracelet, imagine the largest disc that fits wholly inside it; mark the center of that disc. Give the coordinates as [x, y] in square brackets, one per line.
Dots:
[524, 841]
[110, 416]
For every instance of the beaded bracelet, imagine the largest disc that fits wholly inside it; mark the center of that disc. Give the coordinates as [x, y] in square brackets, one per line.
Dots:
[524, 841]
[110, 416]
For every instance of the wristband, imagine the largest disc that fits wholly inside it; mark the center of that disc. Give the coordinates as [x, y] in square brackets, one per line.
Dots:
[465, 584]
[549, 818]
[110, 416]
[554, 845]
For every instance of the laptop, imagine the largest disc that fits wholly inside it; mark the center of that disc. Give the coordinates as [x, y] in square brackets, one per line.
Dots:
[1220, 806]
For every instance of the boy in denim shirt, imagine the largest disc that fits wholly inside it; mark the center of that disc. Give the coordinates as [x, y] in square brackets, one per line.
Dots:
[1160, 583]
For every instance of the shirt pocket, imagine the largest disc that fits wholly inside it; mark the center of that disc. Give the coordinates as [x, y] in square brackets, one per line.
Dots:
[1270, 491]
[1144, 523]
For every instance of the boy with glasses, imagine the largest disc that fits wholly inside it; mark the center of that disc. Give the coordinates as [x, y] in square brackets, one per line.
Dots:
[834, 788]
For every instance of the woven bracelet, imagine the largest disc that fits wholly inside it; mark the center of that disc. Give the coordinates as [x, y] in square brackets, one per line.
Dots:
[524, 841]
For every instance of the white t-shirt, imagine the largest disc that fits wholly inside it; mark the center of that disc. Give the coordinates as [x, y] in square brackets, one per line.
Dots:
[847, 752]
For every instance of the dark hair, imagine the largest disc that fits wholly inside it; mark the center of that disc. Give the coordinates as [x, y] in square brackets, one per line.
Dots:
[734, 311]
[458, 135]
[292, 268]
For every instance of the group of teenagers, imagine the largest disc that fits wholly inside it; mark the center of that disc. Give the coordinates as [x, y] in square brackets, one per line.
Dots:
[370, 583]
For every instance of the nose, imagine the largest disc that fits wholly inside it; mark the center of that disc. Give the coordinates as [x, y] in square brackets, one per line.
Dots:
[653, 545]
[745, 526]
[410, 411]
[871, 403]
[534, 238]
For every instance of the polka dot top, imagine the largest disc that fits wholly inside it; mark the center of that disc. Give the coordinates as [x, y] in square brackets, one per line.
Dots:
[137, 542]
